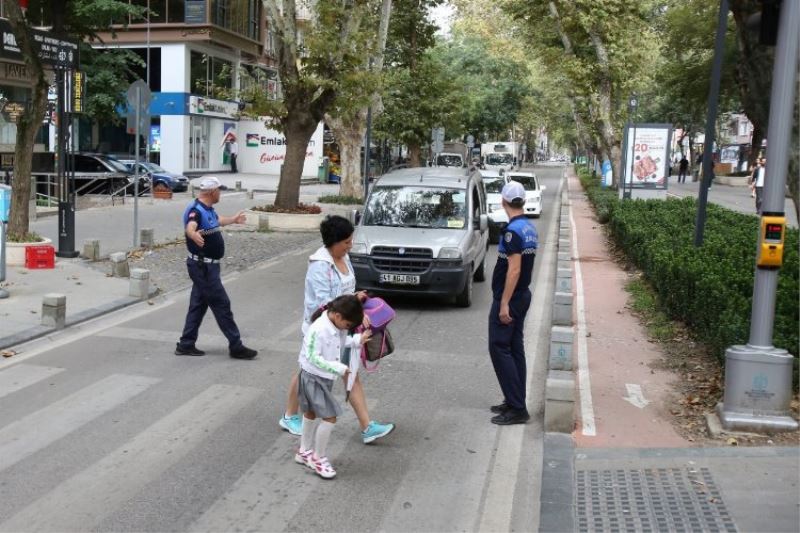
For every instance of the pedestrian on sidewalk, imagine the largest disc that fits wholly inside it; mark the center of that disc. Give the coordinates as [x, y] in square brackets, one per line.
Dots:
[206, 248]
[234, 151]
[757, 180]
[330, 274]
[511, 298]
[683, 168]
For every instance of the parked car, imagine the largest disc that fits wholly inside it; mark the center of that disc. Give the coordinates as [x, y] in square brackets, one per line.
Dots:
[158, 175]
[493, 183]
[102, 174]
[423, 231]
[533, 191]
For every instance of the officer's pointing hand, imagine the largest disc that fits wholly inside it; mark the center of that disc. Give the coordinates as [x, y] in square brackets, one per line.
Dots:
[240, 218]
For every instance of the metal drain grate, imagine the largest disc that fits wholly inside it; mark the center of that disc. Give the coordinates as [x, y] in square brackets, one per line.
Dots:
[656, 499]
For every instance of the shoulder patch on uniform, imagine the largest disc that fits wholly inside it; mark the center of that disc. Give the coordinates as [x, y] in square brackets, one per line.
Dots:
[509, 236]
[193, 214]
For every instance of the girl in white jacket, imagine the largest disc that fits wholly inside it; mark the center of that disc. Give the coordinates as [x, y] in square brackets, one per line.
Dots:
[320, 364]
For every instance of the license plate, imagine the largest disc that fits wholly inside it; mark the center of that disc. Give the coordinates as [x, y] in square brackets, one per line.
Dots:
[400, 279]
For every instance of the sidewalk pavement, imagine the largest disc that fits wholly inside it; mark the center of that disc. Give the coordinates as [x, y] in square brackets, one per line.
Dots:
[91, 293]
[624, 467]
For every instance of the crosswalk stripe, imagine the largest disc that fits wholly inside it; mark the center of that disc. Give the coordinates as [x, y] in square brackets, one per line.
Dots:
[22, 375]
[37, 430]
[446, 477]
[84, 500]
[247, 506]
[155, 335]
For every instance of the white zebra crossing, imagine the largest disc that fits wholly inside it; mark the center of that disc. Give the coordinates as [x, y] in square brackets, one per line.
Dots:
[20, 376]
[37, 430]
[83, 501]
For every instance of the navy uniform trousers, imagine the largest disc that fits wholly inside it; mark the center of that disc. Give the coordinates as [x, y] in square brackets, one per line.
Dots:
[207, 291]
[507, 349]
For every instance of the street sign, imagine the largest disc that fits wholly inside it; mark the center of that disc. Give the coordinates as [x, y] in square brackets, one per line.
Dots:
[139, 96]
[54, 51]
[470, 141]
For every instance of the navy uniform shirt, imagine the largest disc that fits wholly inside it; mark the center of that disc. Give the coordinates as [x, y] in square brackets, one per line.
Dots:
[208, 226]
[519, 237]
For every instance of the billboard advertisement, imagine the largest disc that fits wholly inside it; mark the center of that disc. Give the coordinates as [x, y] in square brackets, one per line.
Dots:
[264, 150]
[646, 156]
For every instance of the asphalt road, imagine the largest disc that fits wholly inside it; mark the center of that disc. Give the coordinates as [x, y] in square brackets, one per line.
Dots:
[102, 428]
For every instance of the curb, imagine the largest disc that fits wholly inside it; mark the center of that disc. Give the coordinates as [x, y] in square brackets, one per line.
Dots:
[556, 505]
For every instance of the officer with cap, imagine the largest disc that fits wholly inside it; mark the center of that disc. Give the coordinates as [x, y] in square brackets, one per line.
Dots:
[511, 299]
[206, 249]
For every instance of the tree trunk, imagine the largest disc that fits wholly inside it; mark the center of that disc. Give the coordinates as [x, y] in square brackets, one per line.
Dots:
[755, 147]
[350, 152]
[298, 131]
[28, 125]
[414, 155]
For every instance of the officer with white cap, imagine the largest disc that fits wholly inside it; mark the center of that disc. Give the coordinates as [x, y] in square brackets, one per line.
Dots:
[206, 249]
[511, 299]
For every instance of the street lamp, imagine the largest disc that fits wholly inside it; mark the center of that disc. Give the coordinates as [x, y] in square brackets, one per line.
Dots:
[633, 104]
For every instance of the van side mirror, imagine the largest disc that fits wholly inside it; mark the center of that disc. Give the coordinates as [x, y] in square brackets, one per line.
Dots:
[483, 223]
[543, 187]
[355, 217]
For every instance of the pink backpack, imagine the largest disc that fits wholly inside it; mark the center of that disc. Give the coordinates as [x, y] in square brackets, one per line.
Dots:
[380, 344]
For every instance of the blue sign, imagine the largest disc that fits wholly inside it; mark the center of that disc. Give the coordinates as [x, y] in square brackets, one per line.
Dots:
[5, 202]
[608, 174]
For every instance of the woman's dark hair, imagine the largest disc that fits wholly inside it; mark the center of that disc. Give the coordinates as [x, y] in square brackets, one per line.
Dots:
[335, 229]
[347, 305]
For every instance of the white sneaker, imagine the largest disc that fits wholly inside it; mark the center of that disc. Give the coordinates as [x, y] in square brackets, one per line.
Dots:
[305, 458]
[323, 468]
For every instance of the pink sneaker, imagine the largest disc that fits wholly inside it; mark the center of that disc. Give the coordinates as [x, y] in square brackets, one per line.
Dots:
[305, 458]
[323, 468]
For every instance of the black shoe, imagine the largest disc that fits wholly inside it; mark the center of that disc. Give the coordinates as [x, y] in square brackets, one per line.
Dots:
[243, 352]
[512, 416]
[181, 350]
[500, 408]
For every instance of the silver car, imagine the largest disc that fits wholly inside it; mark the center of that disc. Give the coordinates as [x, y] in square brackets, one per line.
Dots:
[423, 231]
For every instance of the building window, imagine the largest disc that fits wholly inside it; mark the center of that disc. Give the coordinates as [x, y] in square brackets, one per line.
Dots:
[261, 80]
[210, 76]
[176, 11]
[239, 16]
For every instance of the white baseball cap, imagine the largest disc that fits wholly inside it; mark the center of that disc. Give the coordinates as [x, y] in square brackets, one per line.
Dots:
[513, 190]
[209, 183]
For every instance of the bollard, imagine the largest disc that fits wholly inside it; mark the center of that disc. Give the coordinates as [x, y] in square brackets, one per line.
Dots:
[146, 237]
[561, 339]
[54, 310]
[119, 265]
[564, 233]
[562, 309]
[563, 244]
[91, 249]
[238, 186]
[564, 280]
[140, 283]
[191, 190]
[251, 194]
[559, 402]
[263, 222]
[565, 256]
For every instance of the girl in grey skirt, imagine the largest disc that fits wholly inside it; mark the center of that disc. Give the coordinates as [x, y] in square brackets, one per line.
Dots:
[320, 364]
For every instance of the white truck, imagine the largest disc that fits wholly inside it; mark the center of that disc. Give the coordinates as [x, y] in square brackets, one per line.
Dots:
[500, 156]
[454, 154]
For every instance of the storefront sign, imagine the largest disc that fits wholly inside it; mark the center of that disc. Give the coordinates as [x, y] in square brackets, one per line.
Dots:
[13, 110]
[62, 53]
[264, 149]
[194, 12]
[212, 108]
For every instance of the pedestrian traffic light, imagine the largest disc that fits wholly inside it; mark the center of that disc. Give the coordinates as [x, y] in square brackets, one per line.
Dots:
[770, 242]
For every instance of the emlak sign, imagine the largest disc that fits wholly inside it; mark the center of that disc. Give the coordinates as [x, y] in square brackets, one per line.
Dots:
[264, 149]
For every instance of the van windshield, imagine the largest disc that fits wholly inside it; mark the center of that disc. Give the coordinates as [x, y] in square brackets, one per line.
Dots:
[493, 185]
[416, 207]
[499, 159]
[448, 160]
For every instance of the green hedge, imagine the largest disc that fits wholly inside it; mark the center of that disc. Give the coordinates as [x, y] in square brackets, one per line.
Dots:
[708, 288]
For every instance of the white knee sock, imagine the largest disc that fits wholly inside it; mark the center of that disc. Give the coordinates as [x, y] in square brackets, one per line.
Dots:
[323, 436]
[307, 440]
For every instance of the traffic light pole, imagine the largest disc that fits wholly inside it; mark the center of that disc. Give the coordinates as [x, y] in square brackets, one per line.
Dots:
[758, 376]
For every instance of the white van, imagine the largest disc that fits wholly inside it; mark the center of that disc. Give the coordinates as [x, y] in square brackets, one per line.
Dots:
[423, 231]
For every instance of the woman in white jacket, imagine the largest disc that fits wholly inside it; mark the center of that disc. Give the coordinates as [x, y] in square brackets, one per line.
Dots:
[330, 274]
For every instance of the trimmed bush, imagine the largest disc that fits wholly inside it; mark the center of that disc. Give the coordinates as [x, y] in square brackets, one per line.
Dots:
[339, 199]
[709, 288]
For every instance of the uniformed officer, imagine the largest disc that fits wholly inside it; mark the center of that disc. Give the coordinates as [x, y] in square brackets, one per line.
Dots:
[206, 249]
[511, 300]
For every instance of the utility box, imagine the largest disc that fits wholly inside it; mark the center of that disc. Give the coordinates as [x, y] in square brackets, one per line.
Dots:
[5, 202]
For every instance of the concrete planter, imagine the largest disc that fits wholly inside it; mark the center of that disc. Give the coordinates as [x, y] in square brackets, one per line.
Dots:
[15, 251]
[284, 221]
